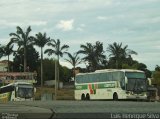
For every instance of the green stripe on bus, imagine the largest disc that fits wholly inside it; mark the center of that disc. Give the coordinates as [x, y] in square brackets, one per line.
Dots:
[81, 87]
[93, 87]
[99, 86]
[106, 85]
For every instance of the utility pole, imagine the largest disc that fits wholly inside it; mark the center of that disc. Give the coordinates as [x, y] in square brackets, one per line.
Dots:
[55, 85]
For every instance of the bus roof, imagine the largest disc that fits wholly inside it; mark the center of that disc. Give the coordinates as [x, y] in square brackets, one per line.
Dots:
[111, 70]
[123, 70]
[16, 83]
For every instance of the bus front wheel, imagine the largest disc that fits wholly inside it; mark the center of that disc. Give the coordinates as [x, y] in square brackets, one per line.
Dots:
[115, 97]
[83, 97]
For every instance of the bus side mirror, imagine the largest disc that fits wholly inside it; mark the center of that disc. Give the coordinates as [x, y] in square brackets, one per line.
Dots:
[149, 81]
[34, 90]
[16, 89]
[126, 80]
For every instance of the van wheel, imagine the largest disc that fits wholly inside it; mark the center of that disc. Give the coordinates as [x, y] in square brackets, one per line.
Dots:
[87, 97]
[83, 97]
[115, 97]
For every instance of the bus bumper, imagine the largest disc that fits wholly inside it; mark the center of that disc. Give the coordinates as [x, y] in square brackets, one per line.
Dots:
[136, 97]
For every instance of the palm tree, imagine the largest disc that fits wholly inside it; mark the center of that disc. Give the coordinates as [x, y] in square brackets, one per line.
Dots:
[41, 40]
[23, 40]
[119, 53]
[100, 57]
[157, 68]
[93, 54]
[88, 51]
[74, 60]
[58, 50]
[7, 51]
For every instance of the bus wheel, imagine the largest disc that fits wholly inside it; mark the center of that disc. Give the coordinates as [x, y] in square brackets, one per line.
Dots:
[87, 97]
[115, 97]
[83, 97]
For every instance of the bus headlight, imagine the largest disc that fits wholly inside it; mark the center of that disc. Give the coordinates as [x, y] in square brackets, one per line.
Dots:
[128, 93]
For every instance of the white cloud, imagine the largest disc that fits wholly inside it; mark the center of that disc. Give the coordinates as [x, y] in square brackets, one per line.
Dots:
[102, 18]
[65, 25]
[67, 64]
[82, 25]
[24, 23]
[150, 20]
[134, 23]
[79, 29]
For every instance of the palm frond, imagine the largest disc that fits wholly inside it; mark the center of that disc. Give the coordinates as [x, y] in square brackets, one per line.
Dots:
[28, 31]
[64, 47]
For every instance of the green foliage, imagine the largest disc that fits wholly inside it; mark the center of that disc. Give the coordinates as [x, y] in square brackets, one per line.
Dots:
[23, 40]
[65, 74]
[49, 71]
[32, 59]
[157, 68]
[94, 55]
[119, 55]
[74, 60]
[58, 50]
[156, 78]
[126, 66]
[40, 40]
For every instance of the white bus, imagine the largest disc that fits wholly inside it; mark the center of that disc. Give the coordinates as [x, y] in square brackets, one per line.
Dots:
[111, 84]
[19, 91]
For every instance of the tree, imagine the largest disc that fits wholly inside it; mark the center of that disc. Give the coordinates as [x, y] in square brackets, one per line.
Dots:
[41, 40]
[157, 68]
[23, 40]
[74, 60]
[7, 51]
[118, 54]
[100, 57]
[32, 59]
[58, 50]
[49, 66]
[93, 54]
[156, 78]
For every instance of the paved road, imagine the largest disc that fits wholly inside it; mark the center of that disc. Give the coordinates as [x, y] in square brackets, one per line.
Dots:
[83, 107]
[21, 111]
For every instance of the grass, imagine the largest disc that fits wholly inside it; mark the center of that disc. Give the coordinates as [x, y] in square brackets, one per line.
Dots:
[62, 94]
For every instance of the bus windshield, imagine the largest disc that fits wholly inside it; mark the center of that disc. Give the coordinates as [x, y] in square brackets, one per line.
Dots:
[136, 81]
[25, 92]
[135, 75]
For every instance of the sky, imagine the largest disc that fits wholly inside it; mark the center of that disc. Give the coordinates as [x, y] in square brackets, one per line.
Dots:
[135, 23]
